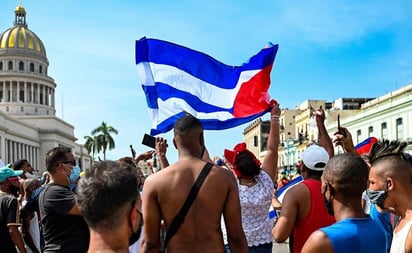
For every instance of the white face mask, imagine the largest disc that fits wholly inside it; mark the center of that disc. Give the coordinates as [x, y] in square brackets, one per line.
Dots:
[28, 175]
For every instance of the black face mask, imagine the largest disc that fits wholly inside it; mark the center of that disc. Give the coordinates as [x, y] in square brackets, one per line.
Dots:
[136, 235]
[328, 202]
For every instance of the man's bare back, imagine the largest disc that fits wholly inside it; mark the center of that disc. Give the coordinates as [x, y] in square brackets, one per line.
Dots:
[166, 192]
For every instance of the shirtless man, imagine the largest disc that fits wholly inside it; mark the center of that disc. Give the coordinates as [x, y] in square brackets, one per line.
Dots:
[165, 192]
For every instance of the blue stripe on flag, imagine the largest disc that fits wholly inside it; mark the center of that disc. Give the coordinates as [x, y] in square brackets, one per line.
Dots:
[168, 124]
[195, 63]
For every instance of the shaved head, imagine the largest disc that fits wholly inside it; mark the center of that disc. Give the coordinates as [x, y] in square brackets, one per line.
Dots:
[348, 173]
[188, 131]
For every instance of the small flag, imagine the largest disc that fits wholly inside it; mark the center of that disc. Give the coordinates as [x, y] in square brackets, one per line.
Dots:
[365, 146]
[281, 193]
[178, 81]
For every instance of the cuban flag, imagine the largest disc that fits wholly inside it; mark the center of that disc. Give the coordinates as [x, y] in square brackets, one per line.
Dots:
[365, 146]
[178, 81]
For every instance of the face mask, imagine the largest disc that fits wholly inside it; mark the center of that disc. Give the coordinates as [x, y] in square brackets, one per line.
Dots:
[135, 235]
[328, 202]
[377, 197]
[74, 174]
[28, 175]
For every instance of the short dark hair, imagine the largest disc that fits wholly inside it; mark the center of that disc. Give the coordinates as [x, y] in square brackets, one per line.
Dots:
[312, 173]
[56, 155]
[349, 173]
[389, 156]
[186, 129]
[106, 193]
[17, 165]
[186, 124]
[245, 162]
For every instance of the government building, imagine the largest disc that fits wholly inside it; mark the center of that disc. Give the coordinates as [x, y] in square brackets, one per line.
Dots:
[29, 126]
[386, 117]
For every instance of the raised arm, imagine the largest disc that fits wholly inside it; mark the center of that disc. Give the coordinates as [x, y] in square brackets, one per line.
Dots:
[323, 136]
[344, 138]
[161, 148]
[270, 161]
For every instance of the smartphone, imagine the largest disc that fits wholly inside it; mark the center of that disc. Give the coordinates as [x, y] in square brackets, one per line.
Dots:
[339, 129]
[339, 122]
[149, 140]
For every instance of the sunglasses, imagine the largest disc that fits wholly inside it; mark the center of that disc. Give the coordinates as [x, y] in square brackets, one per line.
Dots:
[72, 162]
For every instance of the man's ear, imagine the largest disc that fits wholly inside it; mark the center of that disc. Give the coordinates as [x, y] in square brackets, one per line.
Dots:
[133, 217]
[390, 183]
[174, 143]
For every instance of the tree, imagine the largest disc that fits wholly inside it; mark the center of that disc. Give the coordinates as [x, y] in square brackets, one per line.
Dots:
[104, 140]
[92, 145]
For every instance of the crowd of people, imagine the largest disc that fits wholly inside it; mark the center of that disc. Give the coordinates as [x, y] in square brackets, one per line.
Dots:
[349, 202]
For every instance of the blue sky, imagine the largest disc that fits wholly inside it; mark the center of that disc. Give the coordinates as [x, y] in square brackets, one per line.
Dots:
[327, 50]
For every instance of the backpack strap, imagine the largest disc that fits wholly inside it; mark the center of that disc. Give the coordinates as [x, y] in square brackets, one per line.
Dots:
[179, 218]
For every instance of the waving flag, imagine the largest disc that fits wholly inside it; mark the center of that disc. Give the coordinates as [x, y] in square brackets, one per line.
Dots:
[178, 80]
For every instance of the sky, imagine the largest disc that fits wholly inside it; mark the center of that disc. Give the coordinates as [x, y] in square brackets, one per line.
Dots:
[327, 50]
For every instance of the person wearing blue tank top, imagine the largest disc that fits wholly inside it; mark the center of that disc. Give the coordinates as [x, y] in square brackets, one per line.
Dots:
[344, 179]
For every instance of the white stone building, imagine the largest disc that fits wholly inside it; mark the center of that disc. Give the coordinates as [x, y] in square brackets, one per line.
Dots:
[29, 126]
[386, 117]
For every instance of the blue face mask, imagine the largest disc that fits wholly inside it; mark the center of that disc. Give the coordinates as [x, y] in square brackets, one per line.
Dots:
[75, 174]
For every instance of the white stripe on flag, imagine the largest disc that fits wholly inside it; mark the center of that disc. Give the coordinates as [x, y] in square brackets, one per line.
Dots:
[183, 81]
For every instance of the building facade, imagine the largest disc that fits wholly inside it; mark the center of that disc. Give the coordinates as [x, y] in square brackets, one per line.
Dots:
[385, 117]
[29, 126]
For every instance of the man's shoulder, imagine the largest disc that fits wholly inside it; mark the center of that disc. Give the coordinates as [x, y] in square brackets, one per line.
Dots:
[6, 197]
[297, 193]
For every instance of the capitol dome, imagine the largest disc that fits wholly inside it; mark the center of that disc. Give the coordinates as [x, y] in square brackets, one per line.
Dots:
[25, 86]
[19, 37]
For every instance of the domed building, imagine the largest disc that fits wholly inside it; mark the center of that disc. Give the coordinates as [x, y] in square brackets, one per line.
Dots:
[29, 126]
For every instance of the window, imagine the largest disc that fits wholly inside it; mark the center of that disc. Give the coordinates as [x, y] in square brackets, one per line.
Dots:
[1, 65]
[40, 69]
[10, 65]
[358, 136]
[21, 66]
[399, 129]
[31, 67]
[21, 95]
[384, 131]
[370, 131]
[255, 141]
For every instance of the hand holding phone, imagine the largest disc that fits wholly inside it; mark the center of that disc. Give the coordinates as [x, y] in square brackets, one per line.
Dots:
[340, 131]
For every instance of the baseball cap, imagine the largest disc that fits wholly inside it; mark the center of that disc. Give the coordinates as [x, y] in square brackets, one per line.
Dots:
[315, 157]
[6, 172]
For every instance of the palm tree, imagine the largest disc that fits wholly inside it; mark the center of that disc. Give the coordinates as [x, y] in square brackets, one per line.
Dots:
[104, 140]
[92, 145]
